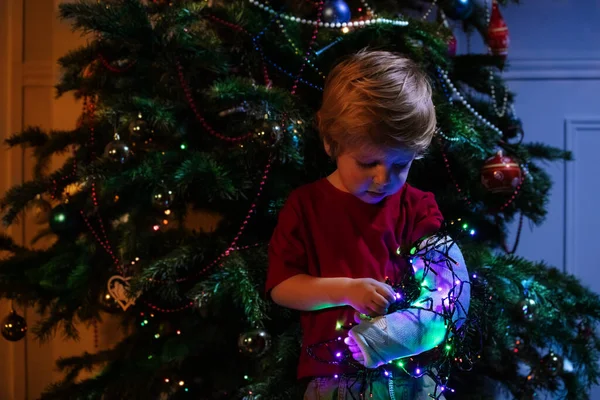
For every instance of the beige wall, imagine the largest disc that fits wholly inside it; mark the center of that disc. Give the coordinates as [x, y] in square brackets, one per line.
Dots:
[31, 40]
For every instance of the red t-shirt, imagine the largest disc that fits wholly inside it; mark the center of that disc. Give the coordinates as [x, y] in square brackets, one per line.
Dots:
[323, 231]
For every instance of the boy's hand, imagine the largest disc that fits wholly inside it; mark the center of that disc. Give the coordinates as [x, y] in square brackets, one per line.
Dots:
[370, 297]
[357, 354]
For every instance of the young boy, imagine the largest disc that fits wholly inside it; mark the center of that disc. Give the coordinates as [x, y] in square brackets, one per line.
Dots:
[336, 240]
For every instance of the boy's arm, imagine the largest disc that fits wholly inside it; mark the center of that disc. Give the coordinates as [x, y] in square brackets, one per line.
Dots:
[309, 293]
[290, 284]
[413, 331]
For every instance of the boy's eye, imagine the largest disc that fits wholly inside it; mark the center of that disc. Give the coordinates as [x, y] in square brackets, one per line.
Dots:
[368, 165]
[375, 163]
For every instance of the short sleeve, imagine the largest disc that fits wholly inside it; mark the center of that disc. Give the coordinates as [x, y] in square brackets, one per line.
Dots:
[287, 248]
[428, 219]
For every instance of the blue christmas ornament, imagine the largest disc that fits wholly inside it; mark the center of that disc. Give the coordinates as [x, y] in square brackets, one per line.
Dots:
[336, 11]
[458, 9]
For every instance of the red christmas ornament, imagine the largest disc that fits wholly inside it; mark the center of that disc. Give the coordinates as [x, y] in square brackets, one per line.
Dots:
[452, 46]
[498, 39]
[452, 41]
[500, 174]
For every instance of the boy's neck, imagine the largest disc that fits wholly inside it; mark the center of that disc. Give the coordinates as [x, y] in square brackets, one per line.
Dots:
[334, 179]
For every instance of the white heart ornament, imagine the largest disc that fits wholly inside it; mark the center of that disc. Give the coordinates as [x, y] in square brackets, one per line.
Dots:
[118, 288]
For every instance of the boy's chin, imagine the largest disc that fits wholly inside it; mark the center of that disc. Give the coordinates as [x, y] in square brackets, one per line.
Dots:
[372, 198]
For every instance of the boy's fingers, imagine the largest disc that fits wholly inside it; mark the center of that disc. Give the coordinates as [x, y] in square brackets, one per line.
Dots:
[358, 357]
[388, 293]
[381, 301]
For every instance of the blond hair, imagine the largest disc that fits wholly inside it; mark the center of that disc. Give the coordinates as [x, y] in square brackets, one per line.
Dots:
[377, 98]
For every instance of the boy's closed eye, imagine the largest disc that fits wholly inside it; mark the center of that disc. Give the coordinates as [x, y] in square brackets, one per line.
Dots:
[373, 164]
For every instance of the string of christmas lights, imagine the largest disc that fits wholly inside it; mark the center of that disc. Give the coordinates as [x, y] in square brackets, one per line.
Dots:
[332, 25]
[455, 350]
[297, 50]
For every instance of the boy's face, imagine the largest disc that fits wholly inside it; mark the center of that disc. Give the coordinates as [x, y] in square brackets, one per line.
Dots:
[370, 173]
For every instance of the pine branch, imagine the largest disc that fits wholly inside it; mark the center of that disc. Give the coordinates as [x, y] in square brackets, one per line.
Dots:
[16, 199]
[546, 152]
[232, 282]
[126, 21]
[30, 137]
[8, 244]
[202, 169]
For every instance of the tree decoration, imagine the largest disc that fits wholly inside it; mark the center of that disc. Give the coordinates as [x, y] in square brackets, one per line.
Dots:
[14, 327]
[255, 342]
[497, 36]
[452, 42]
[162, 198]
[118, 288]
[500, 174]
[64, 220]
[336, 11]
[552, 364]
[527, 309]
[117, 150]
[141, 135]
[518, 344]
[269, 132]
[458, 9]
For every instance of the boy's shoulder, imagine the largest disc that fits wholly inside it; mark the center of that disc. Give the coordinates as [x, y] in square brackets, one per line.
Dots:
[308, 191]
[411, 193]
[416, 198]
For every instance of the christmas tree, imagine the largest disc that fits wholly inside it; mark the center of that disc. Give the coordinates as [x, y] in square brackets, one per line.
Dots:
[197, 122]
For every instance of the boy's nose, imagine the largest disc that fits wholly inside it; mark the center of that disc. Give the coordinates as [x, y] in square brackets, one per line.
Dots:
[382, 176]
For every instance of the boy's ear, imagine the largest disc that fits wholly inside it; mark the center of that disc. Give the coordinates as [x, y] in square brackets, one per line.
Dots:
[327, 147]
